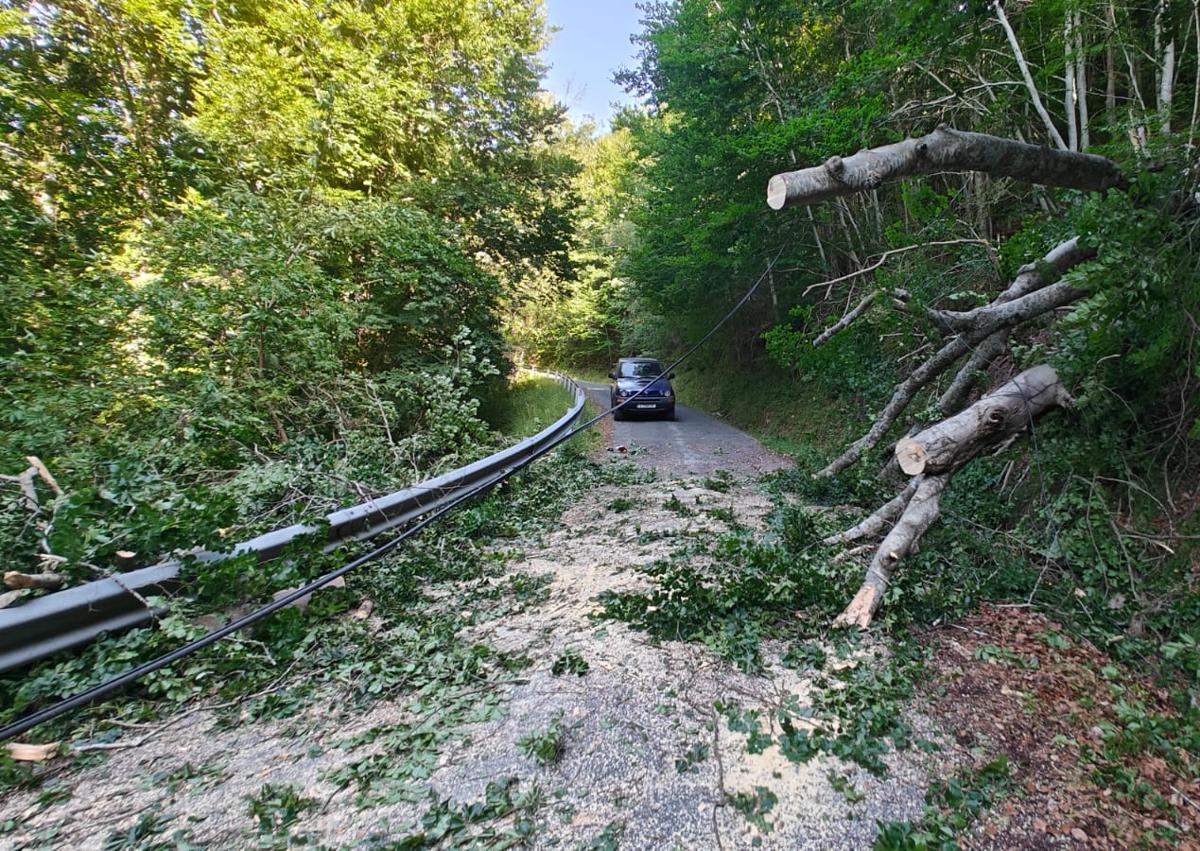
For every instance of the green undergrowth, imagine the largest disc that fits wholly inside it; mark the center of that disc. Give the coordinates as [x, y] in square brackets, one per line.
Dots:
[786, 410]
[526, 404]
[413, 646]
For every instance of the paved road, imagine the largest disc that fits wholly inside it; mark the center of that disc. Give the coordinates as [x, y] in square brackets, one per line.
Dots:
[694, 444]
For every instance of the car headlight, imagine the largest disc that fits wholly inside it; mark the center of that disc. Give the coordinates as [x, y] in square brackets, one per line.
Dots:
[668, 393]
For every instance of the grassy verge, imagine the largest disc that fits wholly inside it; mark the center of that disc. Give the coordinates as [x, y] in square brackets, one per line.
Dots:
[528, 404]
[788, 414]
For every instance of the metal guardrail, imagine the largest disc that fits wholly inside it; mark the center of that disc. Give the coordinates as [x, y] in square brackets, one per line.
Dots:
[77, 615]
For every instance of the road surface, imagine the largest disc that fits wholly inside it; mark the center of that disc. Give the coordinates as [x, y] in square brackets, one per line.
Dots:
[694, 444]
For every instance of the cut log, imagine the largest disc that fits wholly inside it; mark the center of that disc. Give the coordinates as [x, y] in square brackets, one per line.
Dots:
[1007, 410]
[944, 149]
[920, 513]
[31, 753]
[48, 581]
[931, 457]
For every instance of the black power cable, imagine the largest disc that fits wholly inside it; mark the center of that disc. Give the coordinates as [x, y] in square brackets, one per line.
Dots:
[107, 687]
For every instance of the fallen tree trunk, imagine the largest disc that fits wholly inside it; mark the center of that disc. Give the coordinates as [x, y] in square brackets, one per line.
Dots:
[947, 445]
[944, 149]
[48, 581]
[919, 513]
[932, 456]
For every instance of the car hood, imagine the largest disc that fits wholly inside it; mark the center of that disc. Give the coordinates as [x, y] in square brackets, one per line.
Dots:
[635, 384]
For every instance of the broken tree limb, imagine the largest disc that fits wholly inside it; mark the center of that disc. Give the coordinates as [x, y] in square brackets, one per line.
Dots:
[1005, 314]
[24, 480]
[48, 581]
[944, 149]
[956, 395]
[1002, 413]
[932, 456]
[920, 513]
[1031, 295]
[875, 523]
[882, 258]
[851, 314]
[22, 752]
[42, 471]
[1030, 277]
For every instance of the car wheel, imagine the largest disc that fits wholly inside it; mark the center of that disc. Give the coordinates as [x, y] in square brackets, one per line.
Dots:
[670, 415]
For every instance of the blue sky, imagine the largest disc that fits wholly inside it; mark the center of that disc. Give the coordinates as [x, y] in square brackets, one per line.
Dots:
[592, 43]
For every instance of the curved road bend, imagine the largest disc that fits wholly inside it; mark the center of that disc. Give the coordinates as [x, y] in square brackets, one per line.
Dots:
[694, 444]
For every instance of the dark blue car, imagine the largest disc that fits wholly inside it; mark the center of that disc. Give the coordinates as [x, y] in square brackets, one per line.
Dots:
[634, 374]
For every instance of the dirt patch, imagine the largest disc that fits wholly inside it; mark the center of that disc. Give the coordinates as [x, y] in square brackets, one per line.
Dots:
[1008, 681]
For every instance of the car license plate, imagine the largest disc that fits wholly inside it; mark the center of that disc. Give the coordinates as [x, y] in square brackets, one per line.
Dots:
[646, 407]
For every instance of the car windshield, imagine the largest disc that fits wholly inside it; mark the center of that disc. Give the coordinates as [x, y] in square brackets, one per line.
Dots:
[640, 369]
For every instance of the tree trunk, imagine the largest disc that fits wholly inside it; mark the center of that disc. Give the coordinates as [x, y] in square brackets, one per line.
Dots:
[944, 149]
[919, 514]
[1081, 85]
[1070, 92]
[1028, 77]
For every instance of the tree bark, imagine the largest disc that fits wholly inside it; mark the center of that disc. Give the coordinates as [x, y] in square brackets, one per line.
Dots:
[947, 445]
[1070, 83]
[1081, 85]
[944, 149]
[932, 457]
[878, 521]
[956, 395]
[49, 581]
[919, 514]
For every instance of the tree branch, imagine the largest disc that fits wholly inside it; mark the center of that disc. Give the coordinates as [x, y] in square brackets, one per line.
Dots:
[944, 149]
[852, 314]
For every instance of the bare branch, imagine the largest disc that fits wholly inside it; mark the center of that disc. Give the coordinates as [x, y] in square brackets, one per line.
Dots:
[852, 314]
[879, 261]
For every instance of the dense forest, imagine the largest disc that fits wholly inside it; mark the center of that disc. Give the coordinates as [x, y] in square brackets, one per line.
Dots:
[254, 255]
